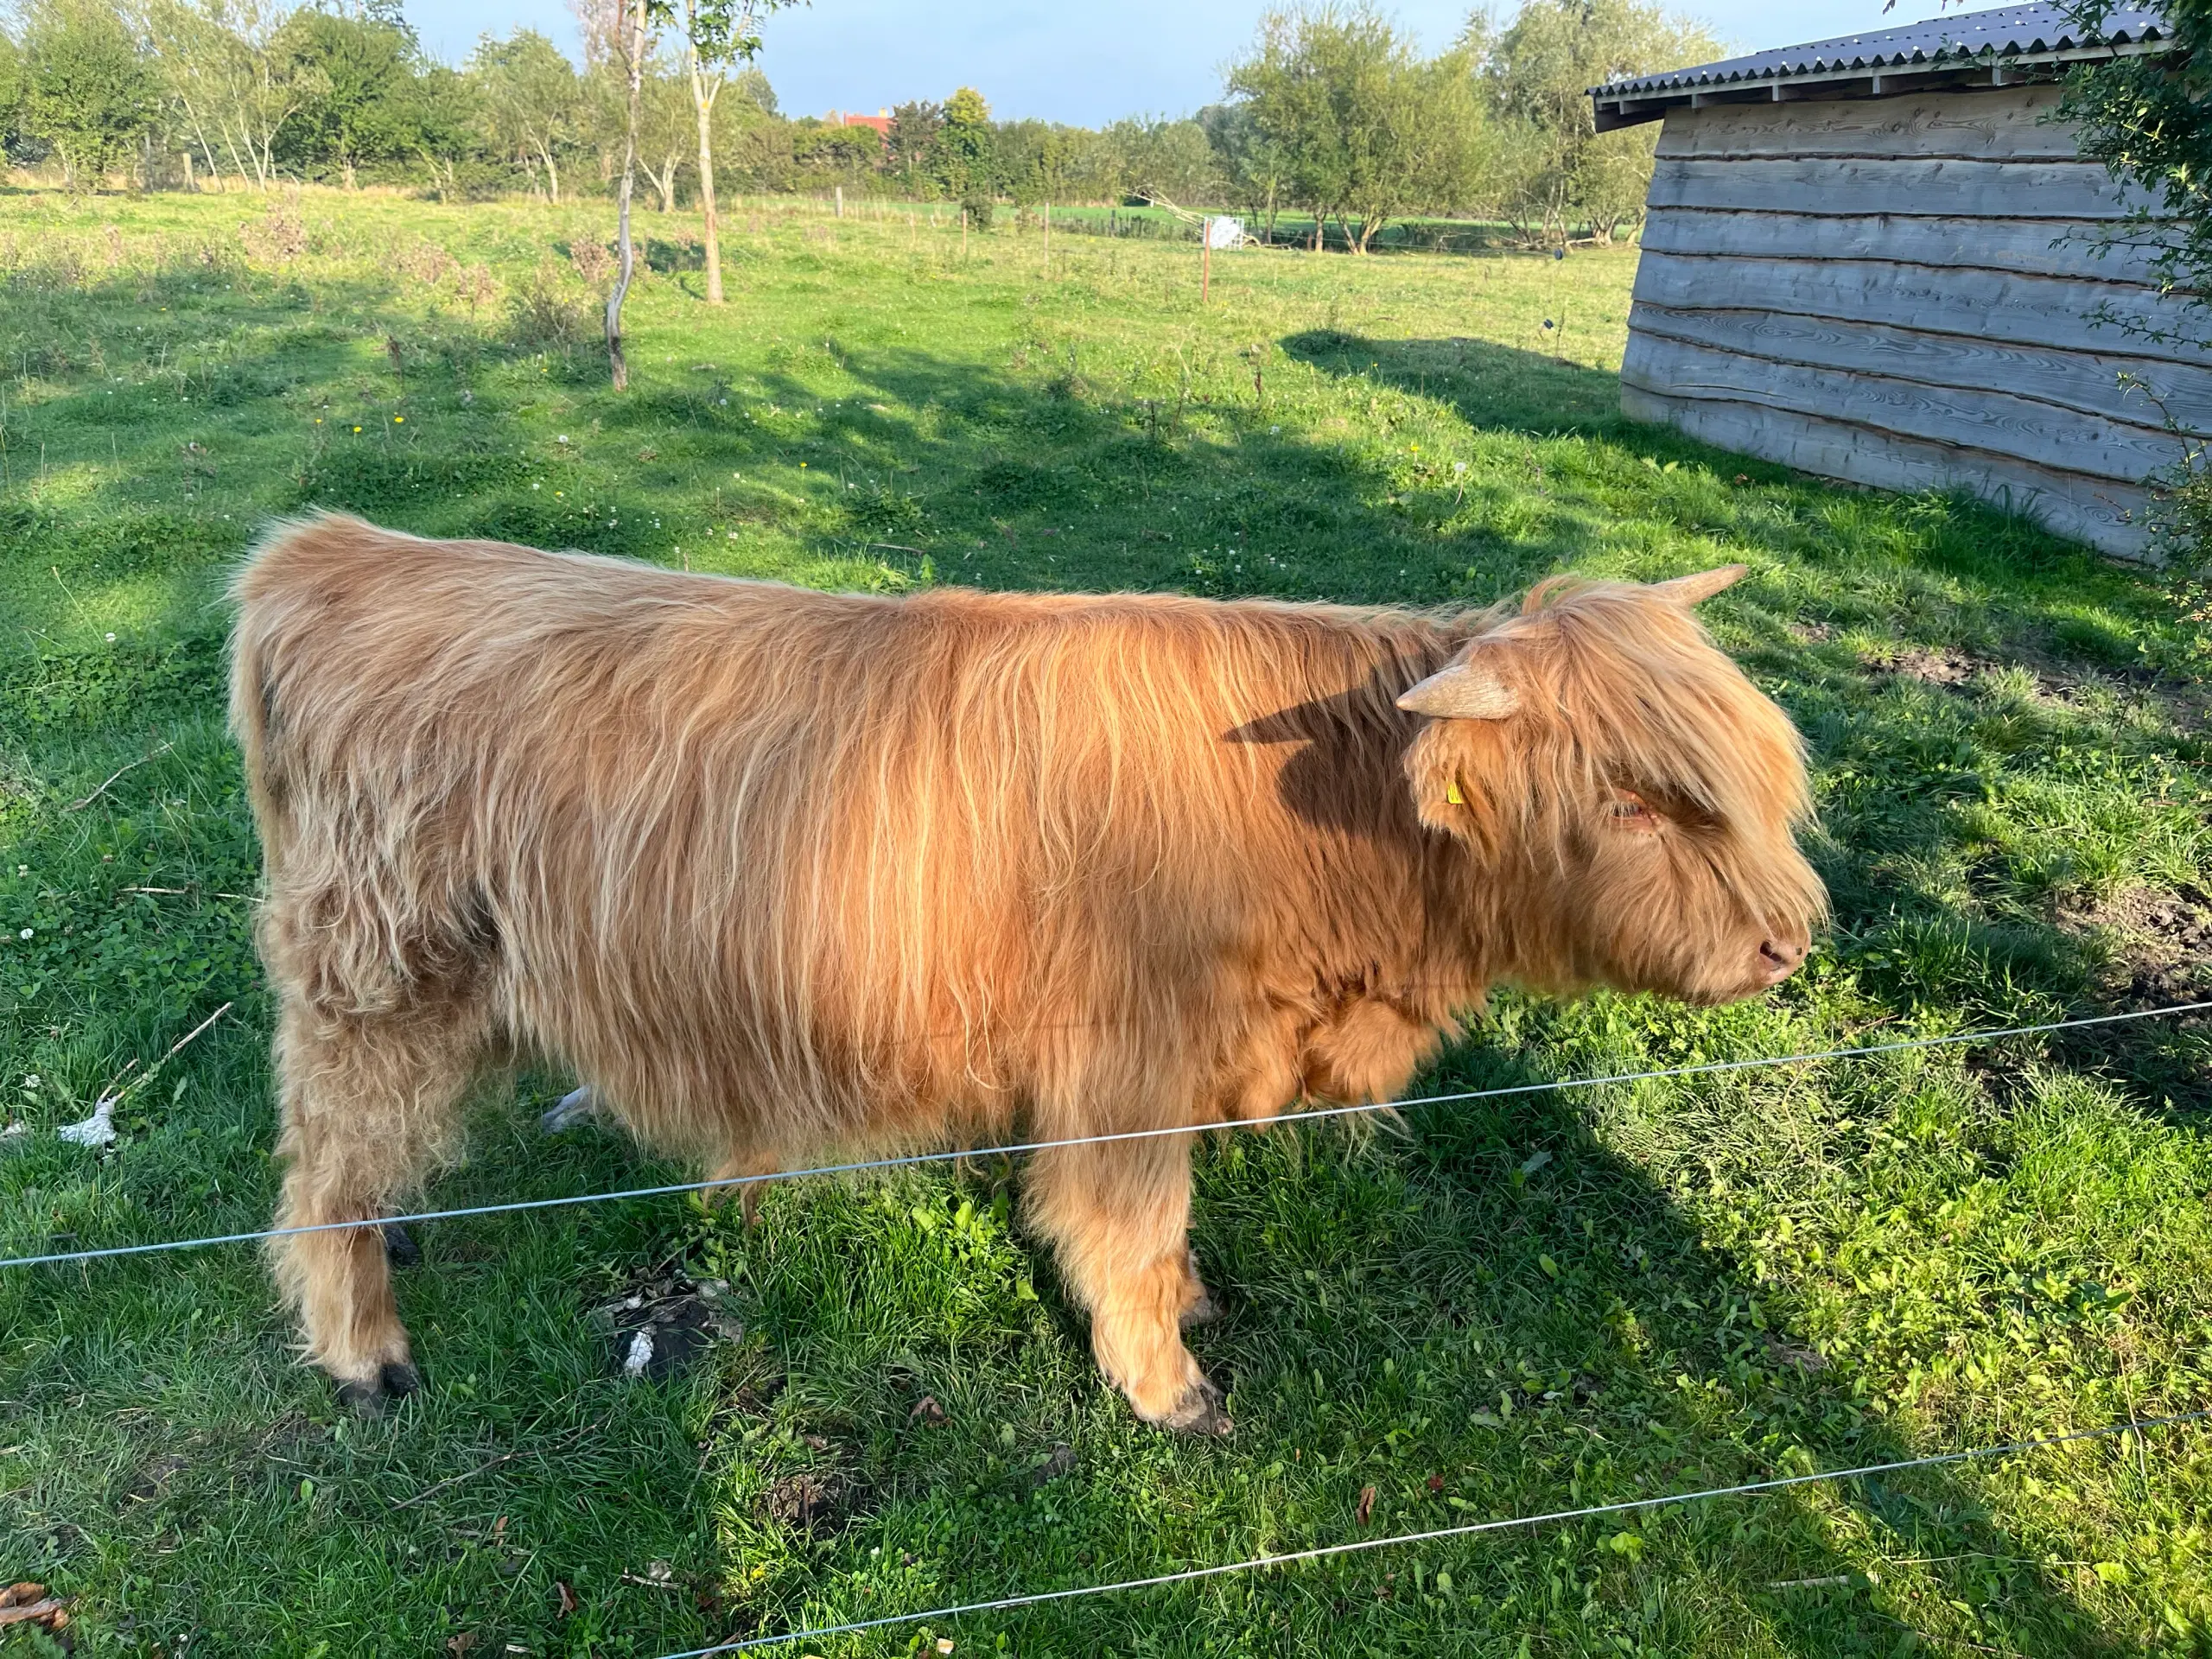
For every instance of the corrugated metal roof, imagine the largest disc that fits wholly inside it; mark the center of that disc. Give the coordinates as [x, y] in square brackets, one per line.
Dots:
[2009, 32]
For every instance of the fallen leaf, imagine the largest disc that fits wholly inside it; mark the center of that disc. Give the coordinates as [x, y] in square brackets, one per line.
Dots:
[927, 1411]
[19, 1593]
[1436, 1483]
[50, 1614]
[568, 1603]
[1366, 1506]
[459, 1644]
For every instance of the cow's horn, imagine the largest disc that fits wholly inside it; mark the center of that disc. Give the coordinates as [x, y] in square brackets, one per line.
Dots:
[1692, 590]
[1463, 691]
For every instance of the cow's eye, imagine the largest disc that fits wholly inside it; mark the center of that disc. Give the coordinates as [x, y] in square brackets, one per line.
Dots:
[1629, 811]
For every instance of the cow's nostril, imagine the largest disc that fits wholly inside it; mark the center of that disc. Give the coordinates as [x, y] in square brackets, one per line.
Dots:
[1780, 959]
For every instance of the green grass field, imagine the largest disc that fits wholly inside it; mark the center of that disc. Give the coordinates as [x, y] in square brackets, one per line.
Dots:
[1510, 1307]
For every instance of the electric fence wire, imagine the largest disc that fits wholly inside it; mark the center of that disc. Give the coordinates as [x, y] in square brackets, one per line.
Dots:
[1710, 1068]
[1324, 1552]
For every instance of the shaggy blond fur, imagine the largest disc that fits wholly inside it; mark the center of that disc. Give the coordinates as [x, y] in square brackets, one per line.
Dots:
[780, 872]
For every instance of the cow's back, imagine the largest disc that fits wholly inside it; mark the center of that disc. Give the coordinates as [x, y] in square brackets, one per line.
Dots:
[732, 846]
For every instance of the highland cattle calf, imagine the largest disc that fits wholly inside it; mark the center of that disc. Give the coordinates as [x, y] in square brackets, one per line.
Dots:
[785, 874]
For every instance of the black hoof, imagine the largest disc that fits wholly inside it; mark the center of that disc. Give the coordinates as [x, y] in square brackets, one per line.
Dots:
[365, 1398]
[1199, 1413]
[400, 1248]
[370, 1397]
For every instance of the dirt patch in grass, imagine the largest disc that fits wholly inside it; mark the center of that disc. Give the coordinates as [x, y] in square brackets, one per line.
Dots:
[2156, 947]
[2180, 702]
[2160, 939]
[1941, 666]
[812, 1500]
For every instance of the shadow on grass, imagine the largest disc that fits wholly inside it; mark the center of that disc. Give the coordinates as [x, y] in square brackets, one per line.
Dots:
[1502, 1320]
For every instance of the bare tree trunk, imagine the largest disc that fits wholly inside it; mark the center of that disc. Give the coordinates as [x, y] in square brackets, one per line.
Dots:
[703, 101]
[616, 364]
[552, 173]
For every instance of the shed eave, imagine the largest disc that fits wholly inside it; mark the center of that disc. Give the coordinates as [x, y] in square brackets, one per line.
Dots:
[1628, 104]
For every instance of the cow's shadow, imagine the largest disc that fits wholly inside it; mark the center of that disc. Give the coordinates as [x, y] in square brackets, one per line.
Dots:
[1490, 1315]
[1560, 1277]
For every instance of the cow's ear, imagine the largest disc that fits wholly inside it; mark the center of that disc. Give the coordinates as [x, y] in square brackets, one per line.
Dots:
[1458, 772]
[1693, 590]
[1467, 689]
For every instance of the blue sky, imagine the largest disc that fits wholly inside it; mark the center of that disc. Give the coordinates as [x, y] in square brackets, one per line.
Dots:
[1075, 61]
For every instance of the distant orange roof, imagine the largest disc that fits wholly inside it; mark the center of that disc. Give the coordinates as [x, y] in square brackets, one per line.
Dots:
[880, 121]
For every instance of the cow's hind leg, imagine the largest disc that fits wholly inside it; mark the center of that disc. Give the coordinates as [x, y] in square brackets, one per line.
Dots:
[1119, 1216]
[1198, 1307]
[370, 1102]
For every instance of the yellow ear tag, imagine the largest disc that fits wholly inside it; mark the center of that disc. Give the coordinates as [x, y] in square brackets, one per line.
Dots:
[1452, 793]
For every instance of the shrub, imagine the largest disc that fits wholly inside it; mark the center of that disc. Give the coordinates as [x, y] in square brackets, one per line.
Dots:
[545, 315]
[592, 260]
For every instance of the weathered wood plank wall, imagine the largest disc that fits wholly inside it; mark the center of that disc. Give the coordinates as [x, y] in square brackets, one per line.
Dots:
[1904, 291]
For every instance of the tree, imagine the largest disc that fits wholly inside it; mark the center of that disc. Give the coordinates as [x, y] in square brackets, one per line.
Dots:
[87, 90]
[911, 142]
[368, 104]
[1538, 73]
[443, 138]
[1255, 167]
[1365, 130]
[834, 153]
[717, 34]
[229, 77]
[529, 101]
[638, 18]
[1040, 161]
[1158, 159]
[12, 73]
[751, 142]
[667, 134]
[960, 152]
[1056, 162]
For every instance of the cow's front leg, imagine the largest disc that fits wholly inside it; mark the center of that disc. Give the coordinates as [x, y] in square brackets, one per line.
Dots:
[1119, 1216]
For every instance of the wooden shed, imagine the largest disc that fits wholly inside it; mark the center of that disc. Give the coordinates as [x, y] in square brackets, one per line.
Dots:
[1875, 258]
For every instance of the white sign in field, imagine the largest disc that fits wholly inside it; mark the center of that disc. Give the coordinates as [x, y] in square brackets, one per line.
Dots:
[1222, 233]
